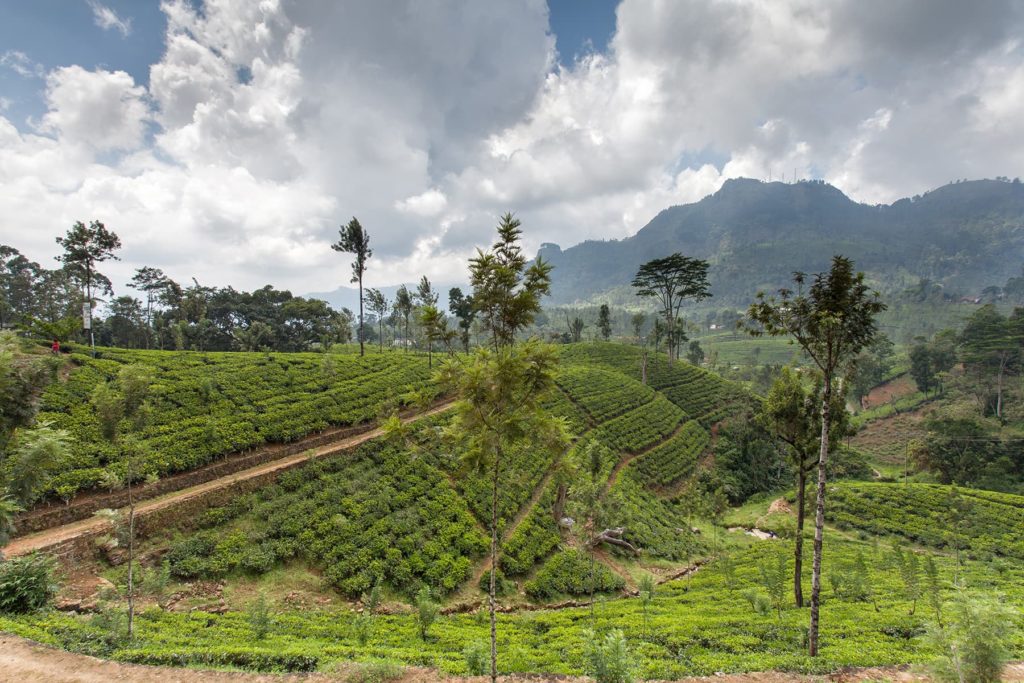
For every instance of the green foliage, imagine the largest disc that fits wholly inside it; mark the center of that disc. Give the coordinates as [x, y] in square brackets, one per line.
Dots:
[26, 583]
[507, 292]
[571, 572]
[426, 611]
[608, 659]
[986, 522]
[375, 671]
[373, 515]
[207, 405]
[672, 280]
[477, 658]
[259, 617]
[774, 579]
[974, 645]
[362, 628]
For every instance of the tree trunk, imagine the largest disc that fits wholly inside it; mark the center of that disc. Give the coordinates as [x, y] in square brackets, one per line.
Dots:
[643, 367]
[819, 518]
[131, 556]
[361, 350]
[798, 566]
[494, 568]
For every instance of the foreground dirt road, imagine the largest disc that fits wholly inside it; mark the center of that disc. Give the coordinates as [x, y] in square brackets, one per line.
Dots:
[22, 661]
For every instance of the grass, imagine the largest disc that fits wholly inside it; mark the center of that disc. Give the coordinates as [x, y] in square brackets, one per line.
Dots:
[695, 627]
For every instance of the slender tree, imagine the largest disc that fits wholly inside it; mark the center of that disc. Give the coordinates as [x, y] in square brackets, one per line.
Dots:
[507, 293]
[832, 322]
[499, 410]
[352, 239]
[84, 247]
[638, 321]
[672, 281]
[151, 281]
[604, 322]
[426, 297]
[403, 307]
[116, 404]
[790, 414]
[380, 305]
[461, 306]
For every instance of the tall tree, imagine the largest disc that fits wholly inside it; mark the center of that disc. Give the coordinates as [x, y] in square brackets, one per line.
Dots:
[990, 350]
[672, 281]
[151, 281]
[832, 321]
[638, 321]
[84, 247]
[500, 410]
[461, 306]
[789, 413]
[425, 298]
[604, 322]
[379, 304]
[507, 293]
[403, 307]
[352, 239]
[576, 327]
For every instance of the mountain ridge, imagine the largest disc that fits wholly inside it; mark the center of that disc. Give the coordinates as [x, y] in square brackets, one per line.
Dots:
[965, 234]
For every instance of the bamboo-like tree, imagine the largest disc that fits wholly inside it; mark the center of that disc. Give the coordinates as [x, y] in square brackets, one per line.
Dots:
[379, 304]
[672, 281]
[638, 321]
[832, 321]
[352, 239]
[425, 298]
[84, 247]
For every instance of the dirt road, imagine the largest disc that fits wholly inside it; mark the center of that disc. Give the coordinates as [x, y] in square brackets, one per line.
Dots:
[91, 526]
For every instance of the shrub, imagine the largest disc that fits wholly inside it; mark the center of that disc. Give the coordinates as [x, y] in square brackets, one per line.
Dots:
[975, 643]
[607, 659]
[376, 671]
[477, 658]
[426, 611]
[26, 583]
[258, 616]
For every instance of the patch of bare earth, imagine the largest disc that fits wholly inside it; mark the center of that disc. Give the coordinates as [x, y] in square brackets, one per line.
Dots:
[894, 389]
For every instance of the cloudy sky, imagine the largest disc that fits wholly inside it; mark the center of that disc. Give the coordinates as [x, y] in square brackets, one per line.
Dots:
[228, 139]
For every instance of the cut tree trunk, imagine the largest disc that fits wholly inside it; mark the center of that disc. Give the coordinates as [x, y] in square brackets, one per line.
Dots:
[614, 537]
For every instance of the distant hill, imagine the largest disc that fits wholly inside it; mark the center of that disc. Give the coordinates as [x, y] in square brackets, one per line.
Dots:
[964, 235]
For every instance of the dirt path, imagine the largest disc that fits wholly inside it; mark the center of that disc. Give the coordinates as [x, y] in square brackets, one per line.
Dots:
[57, 535]
[26, 662]
[524, 512]
[621, 464]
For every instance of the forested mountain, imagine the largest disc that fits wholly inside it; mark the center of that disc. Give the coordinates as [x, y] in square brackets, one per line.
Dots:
[965, 235]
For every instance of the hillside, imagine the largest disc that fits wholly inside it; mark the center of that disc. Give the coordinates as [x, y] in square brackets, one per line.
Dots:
[964, 235]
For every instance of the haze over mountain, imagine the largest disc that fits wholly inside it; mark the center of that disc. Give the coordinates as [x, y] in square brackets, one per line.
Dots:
[965, 235]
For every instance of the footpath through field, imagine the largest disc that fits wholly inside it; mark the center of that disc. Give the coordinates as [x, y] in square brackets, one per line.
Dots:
[58, 535]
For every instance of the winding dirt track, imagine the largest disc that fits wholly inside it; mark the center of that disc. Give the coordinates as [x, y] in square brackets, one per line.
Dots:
[49, 538]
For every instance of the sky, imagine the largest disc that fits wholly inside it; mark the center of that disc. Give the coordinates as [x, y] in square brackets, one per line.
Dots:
[227, 140]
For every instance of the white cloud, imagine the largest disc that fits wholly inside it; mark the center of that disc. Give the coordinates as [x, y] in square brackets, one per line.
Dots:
[428, 204]
[107, 19]
[21, 64]
[267, 124]
[100, 109]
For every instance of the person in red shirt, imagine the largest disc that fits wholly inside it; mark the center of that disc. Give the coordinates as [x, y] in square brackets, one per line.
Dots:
[55, 347]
